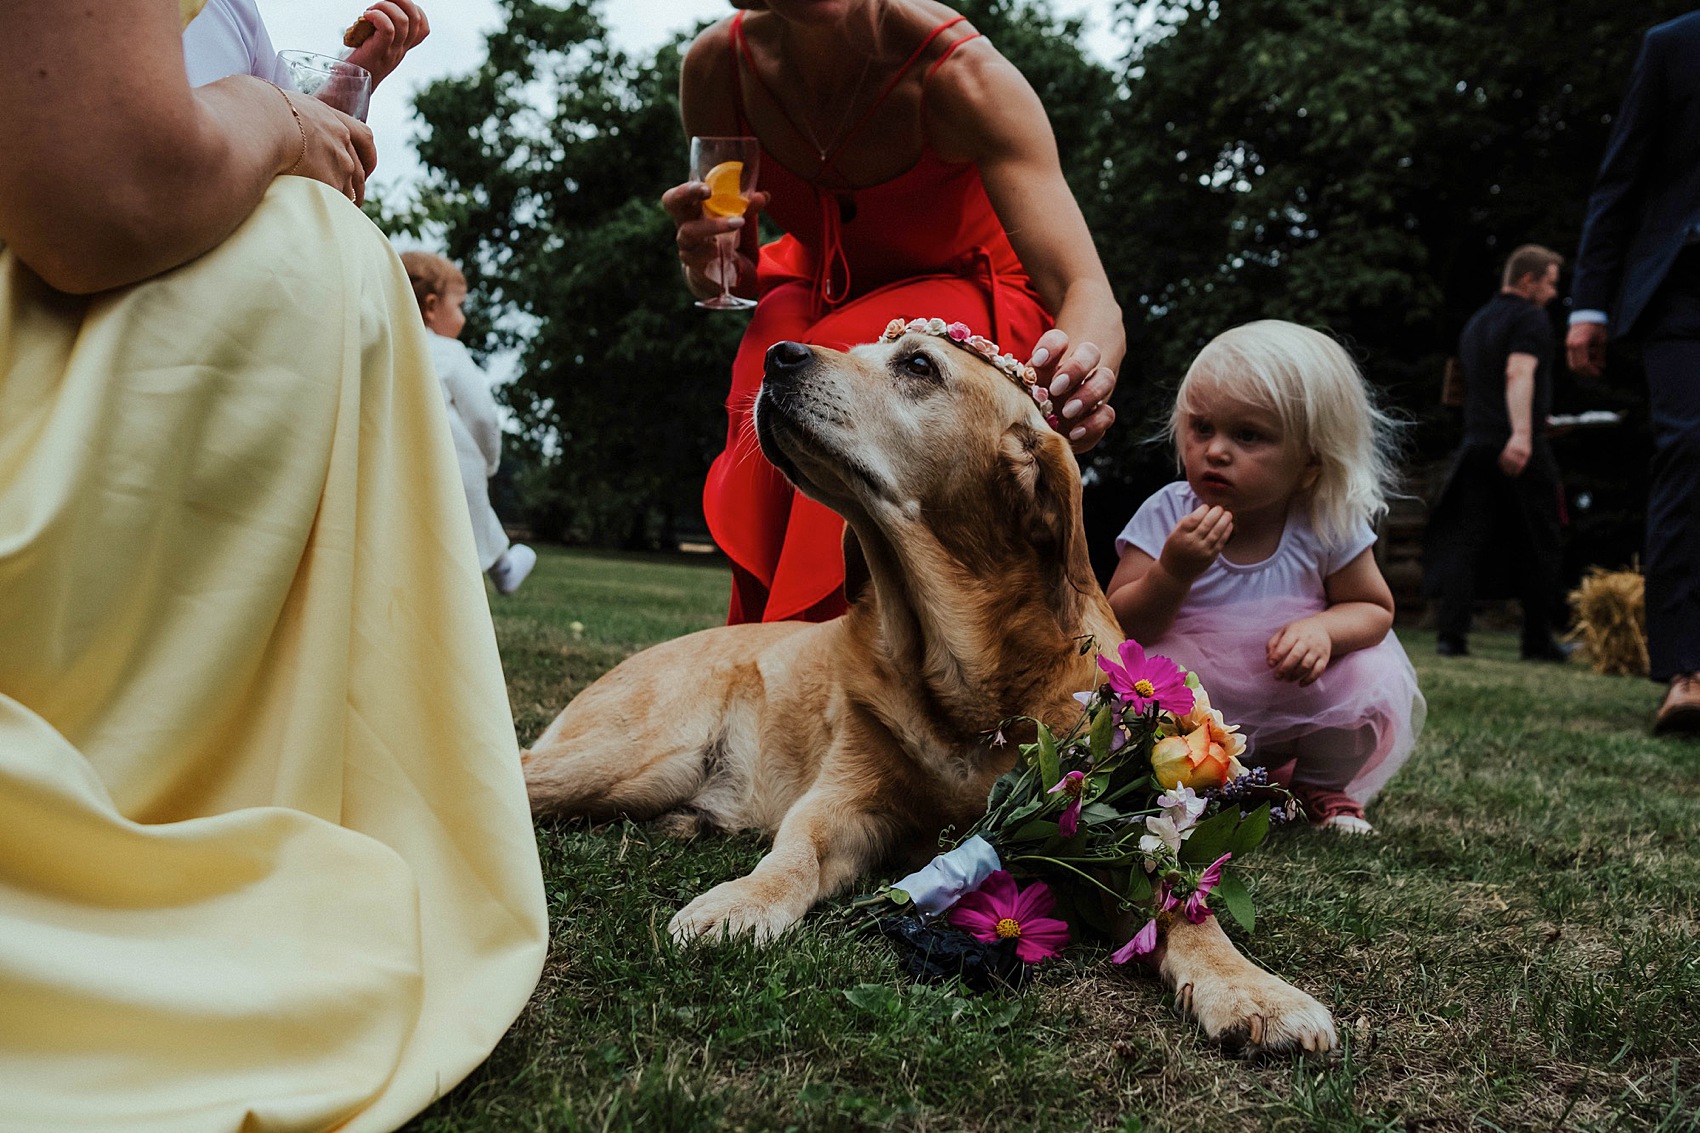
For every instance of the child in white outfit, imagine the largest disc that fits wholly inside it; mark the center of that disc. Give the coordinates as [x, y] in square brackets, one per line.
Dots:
[440, 289]
[1257, 570]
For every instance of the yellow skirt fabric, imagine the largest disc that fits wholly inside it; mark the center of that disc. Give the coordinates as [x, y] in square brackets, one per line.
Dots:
[265, 855]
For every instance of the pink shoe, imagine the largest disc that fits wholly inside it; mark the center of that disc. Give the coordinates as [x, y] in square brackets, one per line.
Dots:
[1332, 810]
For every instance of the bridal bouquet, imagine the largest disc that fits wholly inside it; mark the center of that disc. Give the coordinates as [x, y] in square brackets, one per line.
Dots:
[1141, 805]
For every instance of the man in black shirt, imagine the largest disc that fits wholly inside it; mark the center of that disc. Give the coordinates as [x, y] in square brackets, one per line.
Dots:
[1503, 485]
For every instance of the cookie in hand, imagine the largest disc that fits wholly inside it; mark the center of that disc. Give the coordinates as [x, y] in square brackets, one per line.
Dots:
[358, 32]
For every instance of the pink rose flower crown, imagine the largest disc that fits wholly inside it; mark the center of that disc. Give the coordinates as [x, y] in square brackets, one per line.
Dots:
[959, 334]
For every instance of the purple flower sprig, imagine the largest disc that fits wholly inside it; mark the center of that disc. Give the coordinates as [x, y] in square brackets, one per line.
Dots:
[1241, 786]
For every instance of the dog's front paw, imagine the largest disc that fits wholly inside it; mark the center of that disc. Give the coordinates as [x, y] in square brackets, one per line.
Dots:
[1239, 1005]
[730, 909]
[1256, 1013]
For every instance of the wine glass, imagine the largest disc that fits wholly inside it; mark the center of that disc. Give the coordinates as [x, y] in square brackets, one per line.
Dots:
[728, 166]
[335, 82]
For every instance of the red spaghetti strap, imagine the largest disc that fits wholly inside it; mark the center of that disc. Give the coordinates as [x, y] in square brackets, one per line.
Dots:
[743, 47]
[736, 44]
[926, 79]
[891, 84]
[939, 62]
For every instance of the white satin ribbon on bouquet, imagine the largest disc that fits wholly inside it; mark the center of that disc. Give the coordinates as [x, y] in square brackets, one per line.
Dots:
[940, 883]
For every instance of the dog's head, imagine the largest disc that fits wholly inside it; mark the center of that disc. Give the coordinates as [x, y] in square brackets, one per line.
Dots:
[920, 432]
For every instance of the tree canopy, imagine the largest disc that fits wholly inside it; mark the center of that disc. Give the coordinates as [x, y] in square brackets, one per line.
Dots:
[1361, 165]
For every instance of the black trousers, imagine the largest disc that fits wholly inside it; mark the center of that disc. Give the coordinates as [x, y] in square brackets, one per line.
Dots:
[1483, 510]
[1670, 353]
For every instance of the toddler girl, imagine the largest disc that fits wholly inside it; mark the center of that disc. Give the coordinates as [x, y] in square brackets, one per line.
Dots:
[1257, 570]
[440, 289]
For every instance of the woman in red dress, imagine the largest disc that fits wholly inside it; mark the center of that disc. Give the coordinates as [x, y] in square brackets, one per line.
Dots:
[915, 174]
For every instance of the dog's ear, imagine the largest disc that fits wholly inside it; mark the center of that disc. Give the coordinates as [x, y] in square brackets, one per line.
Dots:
[1048, 486]
[1047, 483]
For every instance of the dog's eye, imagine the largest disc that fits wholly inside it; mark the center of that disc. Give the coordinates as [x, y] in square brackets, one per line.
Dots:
[921, 365]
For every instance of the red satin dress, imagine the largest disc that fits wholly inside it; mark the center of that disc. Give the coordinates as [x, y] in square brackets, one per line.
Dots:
[925, 243]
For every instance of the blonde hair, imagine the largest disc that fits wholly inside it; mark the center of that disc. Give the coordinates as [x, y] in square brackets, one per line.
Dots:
[1308, 381]
[430, 274]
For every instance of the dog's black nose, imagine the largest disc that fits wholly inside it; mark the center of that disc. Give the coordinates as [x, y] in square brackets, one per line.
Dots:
[787, 358]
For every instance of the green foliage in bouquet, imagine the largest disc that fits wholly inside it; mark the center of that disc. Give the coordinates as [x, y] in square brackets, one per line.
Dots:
[1141, 804]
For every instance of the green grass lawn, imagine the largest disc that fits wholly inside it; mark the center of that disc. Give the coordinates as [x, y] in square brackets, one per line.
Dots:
[1516, 949]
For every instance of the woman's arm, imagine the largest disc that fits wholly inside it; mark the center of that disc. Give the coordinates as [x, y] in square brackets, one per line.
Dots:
[115, 170]
[981, 109]
[706, 109]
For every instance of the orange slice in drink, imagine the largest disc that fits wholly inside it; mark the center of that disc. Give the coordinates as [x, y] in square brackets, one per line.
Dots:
[723, 196]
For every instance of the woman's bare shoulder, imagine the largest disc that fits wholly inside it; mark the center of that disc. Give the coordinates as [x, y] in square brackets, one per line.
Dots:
[976, 99]
[706, 82]
[712, 45]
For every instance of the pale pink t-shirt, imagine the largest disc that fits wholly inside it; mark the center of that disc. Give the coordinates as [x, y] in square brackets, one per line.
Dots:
[1296, 569]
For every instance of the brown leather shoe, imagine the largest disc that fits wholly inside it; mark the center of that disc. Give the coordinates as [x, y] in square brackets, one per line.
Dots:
[1680, 713]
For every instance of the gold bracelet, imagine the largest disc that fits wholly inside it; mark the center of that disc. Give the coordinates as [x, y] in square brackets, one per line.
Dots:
[299, 125]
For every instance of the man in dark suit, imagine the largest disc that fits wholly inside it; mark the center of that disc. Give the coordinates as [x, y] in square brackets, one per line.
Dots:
[1638, 277]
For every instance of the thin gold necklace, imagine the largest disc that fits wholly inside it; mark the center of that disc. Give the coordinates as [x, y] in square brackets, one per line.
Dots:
[843, 121]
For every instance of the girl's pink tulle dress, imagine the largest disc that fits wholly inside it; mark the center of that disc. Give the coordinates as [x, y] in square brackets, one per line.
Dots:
[1351, 729]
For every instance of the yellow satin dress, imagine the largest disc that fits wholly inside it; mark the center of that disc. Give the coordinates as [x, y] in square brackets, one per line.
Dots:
[266, 861]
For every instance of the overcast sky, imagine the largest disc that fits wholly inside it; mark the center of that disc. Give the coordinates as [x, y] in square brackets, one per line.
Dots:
[456, 46]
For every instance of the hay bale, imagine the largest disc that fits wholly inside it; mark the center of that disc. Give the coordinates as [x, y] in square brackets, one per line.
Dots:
[1610, 612]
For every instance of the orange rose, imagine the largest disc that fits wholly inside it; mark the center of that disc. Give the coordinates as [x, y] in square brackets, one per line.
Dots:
[1201, 759]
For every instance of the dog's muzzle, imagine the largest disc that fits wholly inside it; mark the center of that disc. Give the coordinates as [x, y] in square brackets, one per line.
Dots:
[784, 366]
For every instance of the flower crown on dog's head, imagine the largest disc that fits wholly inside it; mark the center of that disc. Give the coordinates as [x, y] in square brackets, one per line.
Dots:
[1018, 372]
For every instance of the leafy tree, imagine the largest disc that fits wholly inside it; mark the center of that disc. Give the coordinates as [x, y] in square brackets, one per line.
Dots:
[548, 163]
[1363, 165]
[1358, 164]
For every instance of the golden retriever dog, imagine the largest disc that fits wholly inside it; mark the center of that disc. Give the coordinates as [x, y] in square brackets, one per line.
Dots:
[853, 743]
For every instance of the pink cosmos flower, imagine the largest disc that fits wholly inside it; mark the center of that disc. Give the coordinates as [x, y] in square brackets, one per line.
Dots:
[1073, 785]
[1142, 681]
[1144, 942]
[999, 910]
[1139, 946]
[1197, 907]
